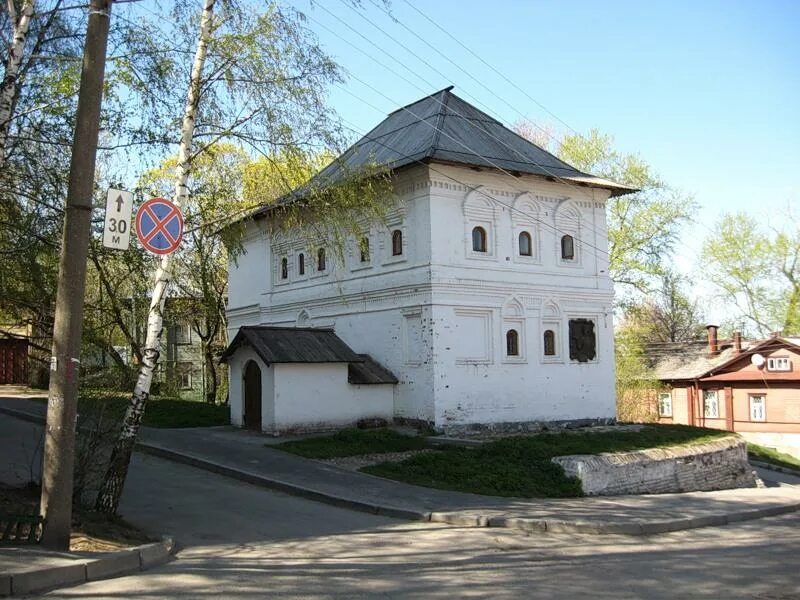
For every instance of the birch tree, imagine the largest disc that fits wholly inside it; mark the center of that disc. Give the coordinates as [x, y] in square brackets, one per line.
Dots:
[8, 90]
[111, 491]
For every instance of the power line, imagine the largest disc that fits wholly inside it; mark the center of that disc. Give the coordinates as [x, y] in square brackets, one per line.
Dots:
[452, 62]
[468, 121]
[506, 79]
[468, 186]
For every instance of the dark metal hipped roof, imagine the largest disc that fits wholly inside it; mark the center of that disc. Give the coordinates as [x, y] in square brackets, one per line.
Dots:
[293, 345]
[444, 128]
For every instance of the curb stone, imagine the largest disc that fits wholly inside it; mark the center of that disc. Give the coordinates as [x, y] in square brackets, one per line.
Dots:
[119, 563]
[777, 468]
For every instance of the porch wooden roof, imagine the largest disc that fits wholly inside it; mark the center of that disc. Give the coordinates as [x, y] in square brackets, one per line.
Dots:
[293, 345]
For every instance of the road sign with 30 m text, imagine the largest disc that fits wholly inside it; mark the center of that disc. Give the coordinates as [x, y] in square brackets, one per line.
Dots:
[117, 229]
[159, 226]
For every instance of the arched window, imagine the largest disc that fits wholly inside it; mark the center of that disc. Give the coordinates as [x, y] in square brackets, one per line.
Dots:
[301, 264]
[549, 343]
[321, 259]
[363, 246]
[567, 247]
[525, 245]
[284, 268]
[397, 242]
[479, 239]
[512, 343]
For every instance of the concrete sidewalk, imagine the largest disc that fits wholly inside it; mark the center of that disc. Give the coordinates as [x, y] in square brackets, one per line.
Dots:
[246, 456]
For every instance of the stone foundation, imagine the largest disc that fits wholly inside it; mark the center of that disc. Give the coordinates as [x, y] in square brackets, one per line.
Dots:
[717, 465]
[468, 429]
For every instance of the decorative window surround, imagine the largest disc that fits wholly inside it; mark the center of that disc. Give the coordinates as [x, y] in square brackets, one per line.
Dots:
[482, 327]
[413, 341]
[388, 252]
[479, 211]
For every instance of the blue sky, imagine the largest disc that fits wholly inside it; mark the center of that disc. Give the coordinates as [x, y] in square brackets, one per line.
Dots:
[707, 92]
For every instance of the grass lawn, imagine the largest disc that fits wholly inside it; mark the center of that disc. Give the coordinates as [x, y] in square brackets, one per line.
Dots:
[353, 442]
[520, 466]
[159, 412]
[773, 456]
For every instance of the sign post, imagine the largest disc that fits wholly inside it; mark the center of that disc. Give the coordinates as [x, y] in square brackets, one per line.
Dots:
[159, 226]
[117, 229]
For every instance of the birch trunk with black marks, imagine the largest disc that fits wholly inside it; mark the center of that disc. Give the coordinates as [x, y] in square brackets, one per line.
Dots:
[8, 91]
[114, 480]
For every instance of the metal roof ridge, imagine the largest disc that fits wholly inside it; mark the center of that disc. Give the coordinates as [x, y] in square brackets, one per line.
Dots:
[447, 89]
[439, 121]
[289, 327]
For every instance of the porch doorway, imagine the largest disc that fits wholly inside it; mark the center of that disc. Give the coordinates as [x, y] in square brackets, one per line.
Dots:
[252, 396]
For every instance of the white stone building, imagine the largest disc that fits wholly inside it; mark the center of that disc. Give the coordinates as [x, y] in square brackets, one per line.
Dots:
[486, 293]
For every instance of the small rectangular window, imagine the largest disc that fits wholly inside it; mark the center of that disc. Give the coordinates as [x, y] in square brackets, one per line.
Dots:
[779, 363]
[665, 404]
[363, 247]
[183, 370]
[183, 332]
[710, 404]
[758, 408]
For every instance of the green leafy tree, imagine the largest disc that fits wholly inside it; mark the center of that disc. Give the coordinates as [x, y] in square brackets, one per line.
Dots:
[667, 314]
[757, 272]
[644, 227]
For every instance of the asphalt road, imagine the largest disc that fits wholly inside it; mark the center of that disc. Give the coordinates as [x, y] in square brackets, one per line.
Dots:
[242, 542]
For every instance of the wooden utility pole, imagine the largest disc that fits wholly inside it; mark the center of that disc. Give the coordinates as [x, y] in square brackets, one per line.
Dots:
[59, 448]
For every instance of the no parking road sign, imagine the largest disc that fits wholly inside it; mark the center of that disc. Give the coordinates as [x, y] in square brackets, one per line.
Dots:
[159, 226]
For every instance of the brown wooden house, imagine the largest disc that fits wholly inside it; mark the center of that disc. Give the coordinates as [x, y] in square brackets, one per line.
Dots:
[751, 387]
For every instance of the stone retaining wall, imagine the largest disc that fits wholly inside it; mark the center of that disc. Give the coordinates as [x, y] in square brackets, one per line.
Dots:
[717, 465]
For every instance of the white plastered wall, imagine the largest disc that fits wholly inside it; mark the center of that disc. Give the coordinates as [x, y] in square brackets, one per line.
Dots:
[317, 396]
[477, 297]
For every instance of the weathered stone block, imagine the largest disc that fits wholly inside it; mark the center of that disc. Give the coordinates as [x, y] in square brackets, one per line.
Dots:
[716, 465]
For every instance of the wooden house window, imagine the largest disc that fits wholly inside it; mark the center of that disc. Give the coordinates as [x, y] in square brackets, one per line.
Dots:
[397, 242]
[512, 342]
[665, 404]
[779, 363]
[549, 343]
[710, 404]
[183, 372]
[525, 245]
[183, 333]
[479, 239]
[758, 407]
[567, 247]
